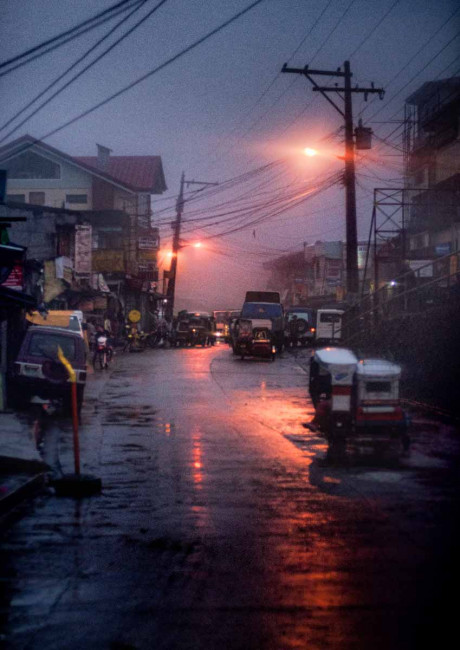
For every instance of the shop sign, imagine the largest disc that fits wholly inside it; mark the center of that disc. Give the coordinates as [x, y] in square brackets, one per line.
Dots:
[149, 243]
[443, 249]
[15, 280]
[64, 269]
[83, 249]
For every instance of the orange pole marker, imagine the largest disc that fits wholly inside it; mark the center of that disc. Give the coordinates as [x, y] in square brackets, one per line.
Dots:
[73, 387]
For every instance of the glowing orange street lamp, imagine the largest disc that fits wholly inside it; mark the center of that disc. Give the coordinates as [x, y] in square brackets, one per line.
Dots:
[308, 151]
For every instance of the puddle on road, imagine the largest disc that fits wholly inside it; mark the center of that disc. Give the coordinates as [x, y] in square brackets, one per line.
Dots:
[132, 416]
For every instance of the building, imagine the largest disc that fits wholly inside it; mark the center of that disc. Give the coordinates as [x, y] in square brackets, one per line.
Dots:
[316, 275]
[114, 195]
[432, 156]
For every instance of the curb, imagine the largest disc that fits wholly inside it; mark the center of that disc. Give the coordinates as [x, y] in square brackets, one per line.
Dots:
[30, 488]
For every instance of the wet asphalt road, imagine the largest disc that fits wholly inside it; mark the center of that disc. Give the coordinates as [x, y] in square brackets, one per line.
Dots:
[224, 524]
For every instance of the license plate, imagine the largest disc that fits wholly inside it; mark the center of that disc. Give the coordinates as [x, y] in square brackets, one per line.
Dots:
[31, 370]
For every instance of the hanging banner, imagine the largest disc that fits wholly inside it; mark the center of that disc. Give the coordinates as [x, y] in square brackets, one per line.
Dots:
[83, 249]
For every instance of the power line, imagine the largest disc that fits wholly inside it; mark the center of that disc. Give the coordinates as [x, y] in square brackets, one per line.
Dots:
[332, 30]
[413, 57]
[374, 29]
[271, 84]
[71, 34]
[148, 74]
[85, 69]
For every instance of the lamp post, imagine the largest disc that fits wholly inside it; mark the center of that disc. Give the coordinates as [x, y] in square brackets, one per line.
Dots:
[349, 176]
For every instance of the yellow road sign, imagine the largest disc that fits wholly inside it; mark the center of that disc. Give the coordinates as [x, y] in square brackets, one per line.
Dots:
[134, 316]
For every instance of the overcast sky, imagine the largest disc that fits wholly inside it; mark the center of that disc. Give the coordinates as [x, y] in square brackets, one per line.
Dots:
[224, 109]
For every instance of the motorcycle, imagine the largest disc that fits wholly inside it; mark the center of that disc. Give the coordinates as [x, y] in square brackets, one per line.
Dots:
[159, 338]
[103, 353]
[135, 341]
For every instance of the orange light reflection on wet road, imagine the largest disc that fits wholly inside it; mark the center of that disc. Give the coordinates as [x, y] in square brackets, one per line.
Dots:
[197, 461]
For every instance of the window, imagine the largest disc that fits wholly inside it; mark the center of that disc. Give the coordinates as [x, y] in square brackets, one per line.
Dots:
[31, 165]
[378, 386]
[330, 318]
[76, 198]
[18, 198]
[46, 345]
[261, 310]
[37, 198]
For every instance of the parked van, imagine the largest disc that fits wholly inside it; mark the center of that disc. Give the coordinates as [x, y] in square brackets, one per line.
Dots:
[37, 370]
[328, 326]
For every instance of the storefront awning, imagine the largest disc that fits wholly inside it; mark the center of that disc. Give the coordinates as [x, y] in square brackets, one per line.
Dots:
[9, 298]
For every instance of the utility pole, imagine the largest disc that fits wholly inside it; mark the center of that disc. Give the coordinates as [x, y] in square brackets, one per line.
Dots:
[176, 226]
[175, 250]
[349, 176]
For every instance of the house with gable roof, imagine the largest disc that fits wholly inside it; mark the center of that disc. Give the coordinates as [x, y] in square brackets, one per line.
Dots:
[115, 191]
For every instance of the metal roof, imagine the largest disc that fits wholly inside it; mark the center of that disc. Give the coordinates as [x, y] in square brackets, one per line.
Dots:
[142, 173]
[377, 368]
[336, 356]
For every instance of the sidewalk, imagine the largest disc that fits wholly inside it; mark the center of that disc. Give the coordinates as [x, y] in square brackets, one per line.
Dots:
[23, 474]
[22, 471]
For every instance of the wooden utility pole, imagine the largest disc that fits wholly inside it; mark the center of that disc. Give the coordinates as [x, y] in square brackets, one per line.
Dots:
[170, 295]
[176, 246]
[349, 176]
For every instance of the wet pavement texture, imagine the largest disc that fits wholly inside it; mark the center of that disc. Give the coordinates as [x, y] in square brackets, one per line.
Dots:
[224, 523]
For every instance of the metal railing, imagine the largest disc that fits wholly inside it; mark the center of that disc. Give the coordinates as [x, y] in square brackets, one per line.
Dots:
[410, 293]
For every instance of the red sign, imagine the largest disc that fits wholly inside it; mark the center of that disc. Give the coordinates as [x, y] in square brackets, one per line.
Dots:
[15, 280]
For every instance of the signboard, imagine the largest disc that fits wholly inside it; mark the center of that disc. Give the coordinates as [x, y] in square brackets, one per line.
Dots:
[443, 249]
[15, 280]
[333, 269]
[83, 250]
[149, 243]
[98, 282]
[64, 269]
[421, 268]
[134, 316]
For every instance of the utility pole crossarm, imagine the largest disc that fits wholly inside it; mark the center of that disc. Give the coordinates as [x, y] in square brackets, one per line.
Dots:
[353, 90]
[306, 70]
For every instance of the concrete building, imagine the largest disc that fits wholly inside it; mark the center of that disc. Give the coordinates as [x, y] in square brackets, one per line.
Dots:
[432, 153]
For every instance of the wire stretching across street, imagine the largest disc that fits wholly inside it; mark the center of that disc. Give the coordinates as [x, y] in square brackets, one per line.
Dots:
[263, 212]
[253, 204]
[63, 38]
[147, 75]
[85, 69]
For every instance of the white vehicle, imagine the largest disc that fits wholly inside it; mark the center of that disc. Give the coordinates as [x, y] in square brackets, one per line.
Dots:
[329, 325]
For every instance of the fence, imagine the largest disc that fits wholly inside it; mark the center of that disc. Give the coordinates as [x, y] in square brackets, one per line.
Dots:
[412, 293]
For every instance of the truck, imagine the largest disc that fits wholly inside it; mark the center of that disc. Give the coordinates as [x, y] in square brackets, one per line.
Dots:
[262, 307]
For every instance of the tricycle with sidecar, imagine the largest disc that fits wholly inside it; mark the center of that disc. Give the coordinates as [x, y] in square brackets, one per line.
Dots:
[352, 397]
[193, 328]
